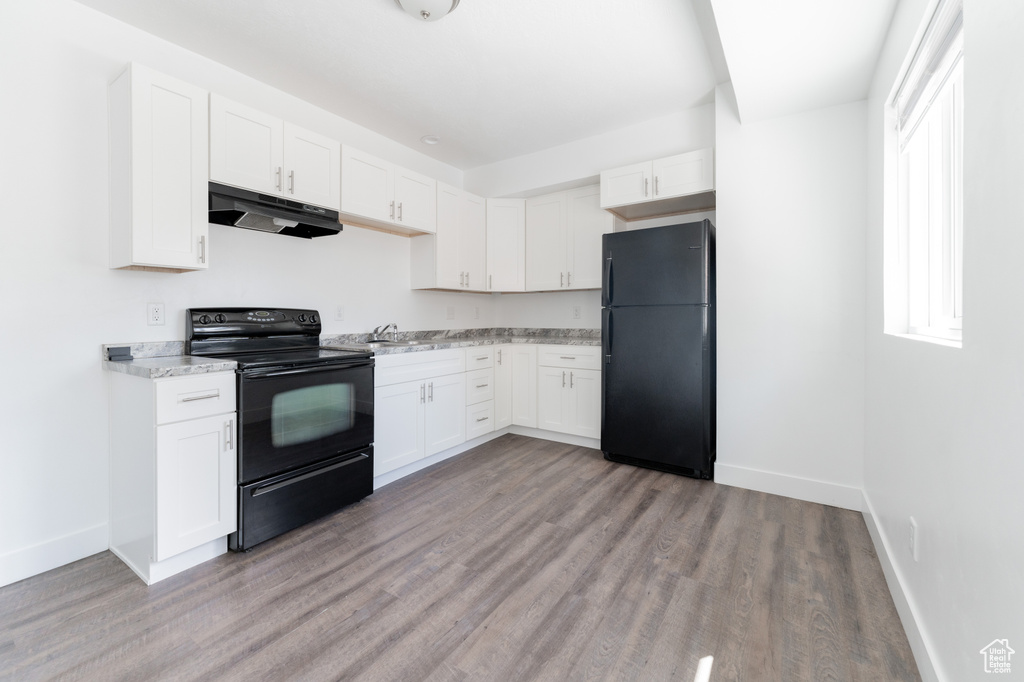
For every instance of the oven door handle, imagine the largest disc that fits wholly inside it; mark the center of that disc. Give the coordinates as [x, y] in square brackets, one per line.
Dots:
[264, 489]
[269, 374]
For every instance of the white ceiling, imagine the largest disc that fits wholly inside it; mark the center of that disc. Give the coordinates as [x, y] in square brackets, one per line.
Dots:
[498, 79]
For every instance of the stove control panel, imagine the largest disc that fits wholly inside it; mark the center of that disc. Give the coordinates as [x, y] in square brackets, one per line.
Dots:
[219, 322]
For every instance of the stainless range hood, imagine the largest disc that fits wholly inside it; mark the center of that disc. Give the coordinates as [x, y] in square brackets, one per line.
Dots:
[266, 213]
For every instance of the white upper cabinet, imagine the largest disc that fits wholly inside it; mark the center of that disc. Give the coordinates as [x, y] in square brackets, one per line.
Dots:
[563, 240]
[453, 258]
[506, 245]
[158, 172]
[259, 152]
[683, 183]
[381, 194]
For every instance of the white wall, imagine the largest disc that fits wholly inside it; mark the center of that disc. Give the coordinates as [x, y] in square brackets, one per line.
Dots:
[61, 302]
[790, 227]
[944, 438]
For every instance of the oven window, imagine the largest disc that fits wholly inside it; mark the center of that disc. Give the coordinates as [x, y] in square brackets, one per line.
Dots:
[308, 414]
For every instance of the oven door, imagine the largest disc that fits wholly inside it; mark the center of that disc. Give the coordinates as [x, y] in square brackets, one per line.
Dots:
[289, 418]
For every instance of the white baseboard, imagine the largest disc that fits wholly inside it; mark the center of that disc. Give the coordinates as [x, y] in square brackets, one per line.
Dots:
[29, 561]
[569, 439]
[392, 476]
[807, 489]
[901, 598]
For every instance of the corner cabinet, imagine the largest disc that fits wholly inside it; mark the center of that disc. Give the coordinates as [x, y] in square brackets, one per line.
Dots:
[454, 257]
[173, 494]
[506, 245]
[563, 240]
[158, 172]
[678, 184]
[259, 152]
[379, 194]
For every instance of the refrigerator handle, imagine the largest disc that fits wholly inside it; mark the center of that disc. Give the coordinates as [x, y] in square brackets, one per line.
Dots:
[608, 338]
[607, 293]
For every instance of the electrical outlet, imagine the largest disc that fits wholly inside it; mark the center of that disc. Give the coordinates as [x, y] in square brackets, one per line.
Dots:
[476, 312]
[450, 312]
[155, 314]
[339, 313]
[915, 542]
[576, 313]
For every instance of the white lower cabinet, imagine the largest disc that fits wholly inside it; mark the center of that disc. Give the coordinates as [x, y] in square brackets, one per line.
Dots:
[524, 384]
[502, 386]
[419, 406]
[173, 483]
[569, 390]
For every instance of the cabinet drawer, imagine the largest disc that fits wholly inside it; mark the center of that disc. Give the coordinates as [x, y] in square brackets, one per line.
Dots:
[417, 365]
[582, 357]
[479, 419]
[191, 397]
[479, 358]
[479, 386]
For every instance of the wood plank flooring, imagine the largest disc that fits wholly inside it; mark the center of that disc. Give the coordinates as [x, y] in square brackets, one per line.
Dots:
[519, 560]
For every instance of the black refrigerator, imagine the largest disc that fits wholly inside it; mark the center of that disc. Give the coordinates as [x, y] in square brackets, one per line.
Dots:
[658, 338]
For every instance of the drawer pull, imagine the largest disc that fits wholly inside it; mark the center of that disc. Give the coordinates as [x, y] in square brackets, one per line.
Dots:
[482, 419]
[481, 385]
[215, 394]
[567, 357]
[481, 357]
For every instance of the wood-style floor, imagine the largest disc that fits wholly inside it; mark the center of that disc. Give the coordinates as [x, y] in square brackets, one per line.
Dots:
[520, 560]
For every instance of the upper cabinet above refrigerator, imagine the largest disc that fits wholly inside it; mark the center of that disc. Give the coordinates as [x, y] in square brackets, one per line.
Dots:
[674, 185]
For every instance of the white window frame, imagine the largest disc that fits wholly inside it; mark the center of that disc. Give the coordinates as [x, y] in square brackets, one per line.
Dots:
[924, 240]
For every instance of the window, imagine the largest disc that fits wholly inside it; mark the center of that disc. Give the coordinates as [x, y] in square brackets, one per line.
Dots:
[925, 290]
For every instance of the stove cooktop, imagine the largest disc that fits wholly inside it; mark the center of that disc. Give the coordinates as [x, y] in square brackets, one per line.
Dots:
[295, 358]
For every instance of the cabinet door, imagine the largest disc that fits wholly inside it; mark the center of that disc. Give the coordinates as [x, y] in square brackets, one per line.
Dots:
[473, 241]
[587, 221]
[585, 402]
[552, 399]
[626, 185]
[545, 242]
[313, 165]
[445, 420]
[398, 425]
[684, 174]
[524, 384]
[245, 147]
[195, 483]
[446, 248]
[367, 186]
[502, 386]
[158, 172]
[415, 200]
[506, 244]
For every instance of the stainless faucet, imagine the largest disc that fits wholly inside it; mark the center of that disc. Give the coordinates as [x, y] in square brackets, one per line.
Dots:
[379, 332]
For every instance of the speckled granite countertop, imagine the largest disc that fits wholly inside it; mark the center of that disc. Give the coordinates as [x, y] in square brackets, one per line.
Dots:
[155, 360]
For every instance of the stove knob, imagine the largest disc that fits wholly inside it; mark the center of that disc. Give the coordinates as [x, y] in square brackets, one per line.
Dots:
[312, 319]
[204, 319]
[219, 318]
[302, 317]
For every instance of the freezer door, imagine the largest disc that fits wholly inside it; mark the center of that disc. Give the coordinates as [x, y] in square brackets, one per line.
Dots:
[657, 401]
[658, 266]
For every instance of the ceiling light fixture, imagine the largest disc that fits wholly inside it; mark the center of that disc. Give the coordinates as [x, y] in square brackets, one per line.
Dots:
[430, 139]
[428, 10]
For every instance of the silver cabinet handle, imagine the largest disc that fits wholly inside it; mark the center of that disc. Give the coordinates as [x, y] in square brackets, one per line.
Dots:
[499, 356]
[392, 210]
[481, 385]
[423, 393]
[482, 419]
[229, 430]
[430, 392]
[291, 181]
[646, 183]
[655, 185]
[399, 211]
[462, 279]
[570, 379]
[563, 379]
[278, 173]
[568, 279]
[561, 279]
[566, 357]
[467, 278]
[215, 394]
[481, 357]
[202, 249]
[490, 281]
